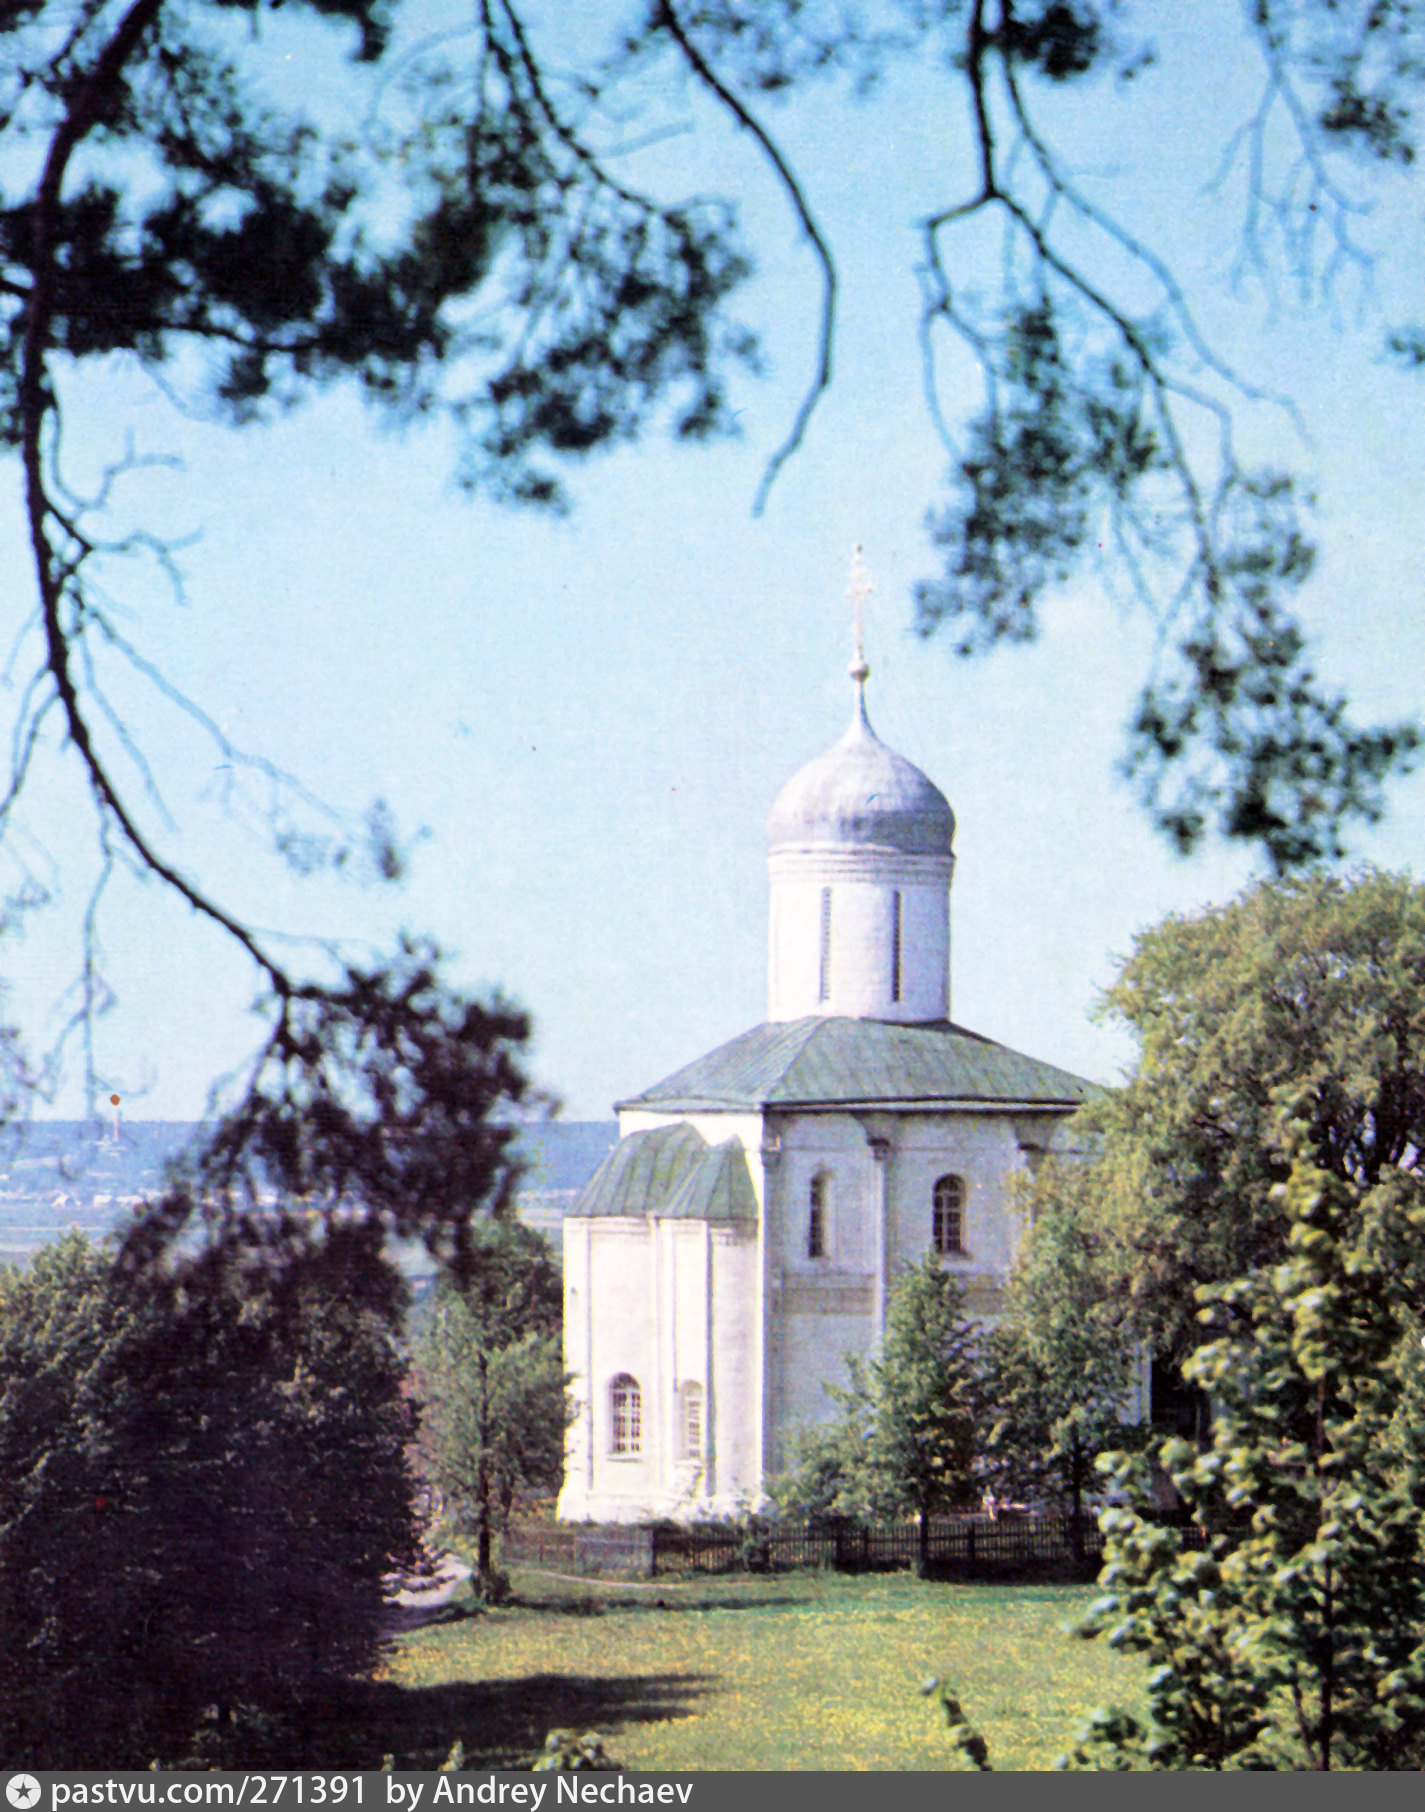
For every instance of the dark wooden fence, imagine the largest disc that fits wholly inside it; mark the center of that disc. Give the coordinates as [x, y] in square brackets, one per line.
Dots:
[968, 1547]
[959, 1547]
[584, 1547]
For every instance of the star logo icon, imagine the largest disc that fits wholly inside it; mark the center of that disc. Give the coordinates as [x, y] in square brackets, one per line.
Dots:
[22, 1790]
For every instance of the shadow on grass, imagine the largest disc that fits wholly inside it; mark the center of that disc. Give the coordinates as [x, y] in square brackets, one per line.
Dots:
[502, 1723]
[585, 1604]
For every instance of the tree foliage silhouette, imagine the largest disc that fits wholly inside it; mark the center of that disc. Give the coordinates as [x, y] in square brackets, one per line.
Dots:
[1057, 1367]
[204, 1491]
[207, 1434]
[1109, 414]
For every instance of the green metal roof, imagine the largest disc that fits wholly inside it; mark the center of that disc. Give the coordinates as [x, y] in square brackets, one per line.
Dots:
[672, 1172]
[826, 1062]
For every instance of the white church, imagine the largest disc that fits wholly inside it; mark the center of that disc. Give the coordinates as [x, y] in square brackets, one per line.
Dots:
[742, 1237]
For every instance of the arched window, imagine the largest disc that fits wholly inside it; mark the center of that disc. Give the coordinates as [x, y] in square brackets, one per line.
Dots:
[948, 1220]
[690, 1422]
[817, 1216]
[628, 1414]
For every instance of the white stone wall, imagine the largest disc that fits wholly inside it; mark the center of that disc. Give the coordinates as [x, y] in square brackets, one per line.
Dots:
[863, 884]
[980, 1148]
[819, 1309]
[716, 1128]
[667, 1303]
[879, 1221]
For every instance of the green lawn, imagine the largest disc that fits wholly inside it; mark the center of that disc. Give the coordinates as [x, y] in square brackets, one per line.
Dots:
[806, 1670]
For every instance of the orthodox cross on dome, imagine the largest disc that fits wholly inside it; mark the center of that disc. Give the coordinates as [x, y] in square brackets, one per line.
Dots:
[858, 591]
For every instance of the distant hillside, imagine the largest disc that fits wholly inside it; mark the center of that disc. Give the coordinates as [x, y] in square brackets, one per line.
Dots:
[562, 1157]
[564, 1154]
[56, 1174]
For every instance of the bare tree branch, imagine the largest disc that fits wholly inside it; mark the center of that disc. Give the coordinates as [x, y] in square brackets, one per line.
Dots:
[667, 20]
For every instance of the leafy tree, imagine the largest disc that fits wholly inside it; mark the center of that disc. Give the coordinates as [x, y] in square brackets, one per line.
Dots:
[904, 1441]
[1057, 1369]
[206, 1440]
[1257, 1195]
[1295, 1637]
[490, 1376]
[922, 1391]
[810, 1485]
[823, 1480]
[1312, 987]
[203, 1495]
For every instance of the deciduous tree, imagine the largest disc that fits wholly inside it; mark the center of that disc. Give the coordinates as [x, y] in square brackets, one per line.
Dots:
[1293, 1638]
[206, 1438]
[490, 1377]
[1311, 990]
[440, 233]
[386, 1105]
[1057, 1369]
[204, 1492]
[1099, 378]
[904, 1443]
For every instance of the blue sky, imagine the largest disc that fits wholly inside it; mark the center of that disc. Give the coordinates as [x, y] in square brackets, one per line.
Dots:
[589, 719]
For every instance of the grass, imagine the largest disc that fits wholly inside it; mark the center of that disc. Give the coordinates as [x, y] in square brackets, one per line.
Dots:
[804, 1670]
